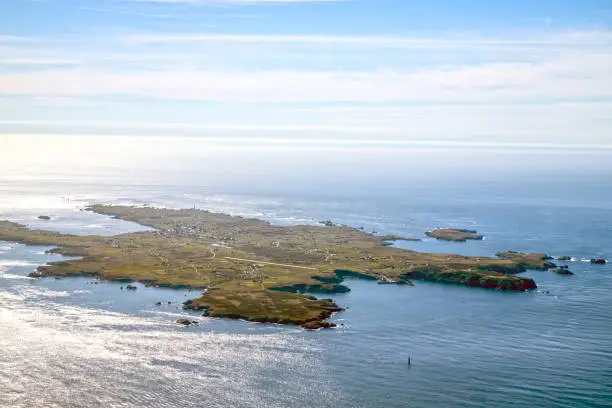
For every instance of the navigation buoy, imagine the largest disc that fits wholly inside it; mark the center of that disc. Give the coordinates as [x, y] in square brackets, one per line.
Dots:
[409, 363]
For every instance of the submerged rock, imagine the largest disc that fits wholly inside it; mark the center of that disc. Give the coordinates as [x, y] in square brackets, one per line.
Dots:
[562, 271]
[36, 274]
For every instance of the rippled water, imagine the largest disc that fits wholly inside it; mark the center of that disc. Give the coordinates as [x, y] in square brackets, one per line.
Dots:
[69, 343]
[73, 343]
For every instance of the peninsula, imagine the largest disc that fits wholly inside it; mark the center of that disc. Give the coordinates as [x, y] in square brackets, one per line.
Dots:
[253, 270]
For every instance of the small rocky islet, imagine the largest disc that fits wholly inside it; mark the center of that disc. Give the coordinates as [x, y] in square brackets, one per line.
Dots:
[252, 270]
[187, 322]
[455, 234]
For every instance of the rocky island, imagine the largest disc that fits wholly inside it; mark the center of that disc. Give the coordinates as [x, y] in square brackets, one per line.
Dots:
[253, 270]
[454, 234]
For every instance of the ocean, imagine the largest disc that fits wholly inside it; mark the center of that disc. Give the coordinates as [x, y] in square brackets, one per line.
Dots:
[81, 343]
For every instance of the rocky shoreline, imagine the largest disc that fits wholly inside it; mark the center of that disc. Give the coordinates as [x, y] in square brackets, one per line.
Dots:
[256, 271]
[314, 323]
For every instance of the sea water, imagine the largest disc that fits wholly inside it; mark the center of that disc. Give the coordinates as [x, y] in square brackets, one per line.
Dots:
[80, 343]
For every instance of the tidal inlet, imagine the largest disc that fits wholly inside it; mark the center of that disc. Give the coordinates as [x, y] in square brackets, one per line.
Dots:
[305, 204]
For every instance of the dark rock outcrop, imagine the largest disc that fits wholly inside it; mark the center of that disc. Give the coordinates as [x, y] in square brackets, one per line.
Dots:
[318, 324]
[315, 288]
[599, 261]
[187, 322]
[469, 278]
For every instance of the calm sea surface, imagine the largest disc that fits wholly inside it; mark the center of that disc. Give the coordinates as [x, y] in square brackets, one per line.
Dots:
[73, 343]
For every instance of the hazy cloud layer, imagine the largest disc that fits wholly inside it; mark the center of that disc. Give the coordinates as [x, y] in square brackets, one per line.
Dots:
[542, 84]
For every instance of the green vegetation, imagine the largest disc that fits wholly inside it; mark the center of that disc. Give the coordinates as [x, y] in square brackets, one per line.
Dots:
[454, 234]
[256, 271]
[539, 262]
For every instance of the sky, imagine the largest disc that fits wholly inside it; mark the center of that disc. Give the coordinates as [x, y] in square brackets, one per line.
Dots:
[439, 71]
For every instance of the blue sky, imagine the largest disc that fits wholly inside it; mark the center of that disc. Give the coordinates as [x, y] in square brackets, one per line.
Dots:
[519, 71]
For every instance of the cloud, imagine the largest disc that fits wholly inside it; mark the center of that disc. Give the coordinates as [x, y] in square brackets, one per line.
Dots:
[457, 86]
[149, 126]
[570, 75]
[129, 12]
[565, 40]
[14, 39]
[560, 123]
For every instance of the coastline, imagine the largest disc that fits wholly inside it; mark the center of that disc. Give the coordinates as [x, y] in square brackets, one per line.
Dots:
[260, 284]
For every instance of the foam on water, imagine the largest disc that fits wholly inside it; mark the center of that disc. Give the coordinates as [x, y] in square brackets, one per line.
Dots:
[9, 263]
[4, 275]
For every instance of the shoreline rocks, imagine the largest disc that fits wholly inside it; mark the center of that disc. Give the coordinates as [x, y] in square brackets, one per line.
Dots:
[385, 280]
[317, 324]
[539, 262]
[187, 322]
[496, 281]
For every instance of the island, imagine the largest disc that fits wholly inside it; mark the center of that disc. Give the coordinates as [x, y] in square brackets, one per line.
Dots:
[253, 270]
[454, 234]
